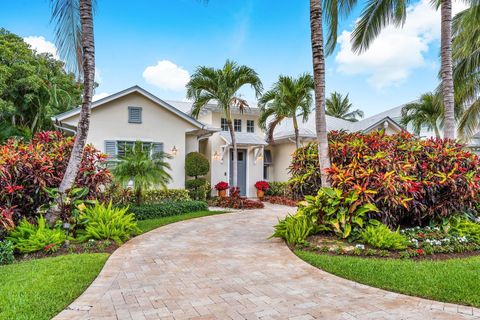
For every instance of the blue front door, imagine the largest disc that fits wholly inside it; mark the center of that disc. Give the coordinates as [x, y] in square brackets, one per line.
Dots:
[242, 170]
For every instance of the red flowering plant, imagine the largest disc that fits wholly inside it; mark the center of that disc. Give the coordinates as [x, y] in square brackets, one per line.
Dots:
[262, 185]
[411, 181]
[222, 185]
[28, 169]
[235, 201]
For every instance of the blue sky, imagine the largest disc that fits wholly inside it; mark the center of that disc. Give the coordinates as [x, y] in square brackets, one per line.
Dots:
[157, 44]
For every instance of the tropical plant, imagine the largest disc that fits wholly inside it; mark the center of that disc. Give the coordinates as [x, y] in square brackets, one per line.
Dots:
[278, 188]
[29, 169]
[75, 41]
[377, 15]
[222, 185]
[235, 201]
[411, 181]
[28, 237]
[6, 252]
[103, 222]
[288, 98]
[6, 220]
[262, 185]
[294, 228]
[380, 236]
[338, 212]
[339, 106]
[466, 69]
[222, 85]
[426, 112]
[33, 87]
[168, 195]
[463, 227]
[145, 168]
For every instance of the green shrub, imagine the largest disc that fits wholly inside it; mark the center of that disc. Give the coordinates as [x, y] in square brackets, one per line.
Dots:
[278, 189]
[294, 228]
[380, 236]
[6, 252]
[195, 183]
[28, 237]
[105, 222]
[149, 211]
[196, 164]
[465, 228]
[167, 195]
[198, 189]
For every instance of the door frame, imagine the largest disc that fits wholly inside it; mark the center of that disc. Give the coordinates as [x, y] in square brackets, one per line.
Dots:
[247, 171]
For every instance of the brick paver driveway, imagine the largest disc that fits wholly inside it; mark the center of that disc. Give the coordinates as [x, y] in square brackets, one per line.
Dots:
[223, 267]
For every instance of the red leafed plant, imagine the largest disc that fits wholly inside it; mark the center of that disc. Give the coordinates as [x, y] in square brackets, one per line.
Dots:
[6, 220]
[222, 185]
[28, 168]
[235, 201]
[411, 181]
[262, 185]
[281, 200]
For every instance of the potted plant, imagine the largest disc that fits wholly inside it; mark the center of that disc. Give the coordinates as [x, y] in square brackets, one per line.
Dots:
[261, 186]
[222, 187]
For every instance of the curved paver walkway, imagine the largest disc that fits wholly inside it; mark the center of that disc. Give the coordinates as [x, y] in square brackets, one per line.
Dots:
[223, 267]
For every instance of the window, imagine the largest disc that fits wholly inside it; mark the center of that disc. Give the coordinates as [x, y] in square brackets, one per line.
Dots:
[265, 171]
[267, 157]
[119, 148]
[224, 124]
[250, 126]
[134, 115]
[237, 125]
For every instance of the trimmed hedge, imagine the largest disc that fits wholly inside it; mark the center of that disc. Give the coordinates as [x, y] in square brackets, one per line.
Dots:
[173, 208]
[168, 195]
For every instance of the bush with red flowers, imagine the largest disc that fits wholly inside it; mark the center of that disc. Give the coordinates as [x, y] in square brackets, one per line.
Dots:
[262, 185]
[411, 181]
[222, 185]
[27, 169]
[235, 201]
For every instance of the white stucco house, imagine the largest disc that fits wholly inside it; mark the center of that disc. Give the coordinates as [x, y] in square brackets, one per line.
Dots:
[135, 114]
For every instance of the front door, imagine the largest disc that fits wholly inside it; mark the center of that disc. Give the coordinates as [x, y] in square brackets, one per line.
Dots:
[242, 170]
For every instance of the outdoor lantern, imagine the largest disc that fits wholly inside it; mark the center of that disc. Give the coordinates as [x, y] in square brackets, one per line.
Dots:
[174, 151]
[216, 155]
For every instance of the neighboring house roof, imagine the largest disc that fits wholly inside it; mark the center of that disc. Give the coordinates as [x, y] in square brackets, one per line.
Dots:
[136, 89]
[243, 138]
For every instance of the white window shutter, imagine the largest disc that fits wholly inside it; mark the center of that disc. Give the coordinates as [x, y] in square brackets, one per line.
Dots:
[157, 147]
[111, 148]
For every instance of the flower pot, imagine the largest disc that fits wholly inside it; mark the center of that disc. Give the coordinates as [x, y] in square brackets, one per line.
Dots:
[260, 194]
[222, 193]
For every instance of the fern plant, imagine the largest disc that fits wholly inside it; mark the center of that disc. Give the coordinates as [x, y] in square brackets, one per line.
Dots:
[28, 237]
[380, 236]
[105, 222]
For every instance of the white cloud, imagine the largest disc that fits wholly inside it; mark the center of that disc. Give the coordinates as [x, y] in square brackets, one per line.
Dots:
[100, 95]
[166, 75]
[41, 45]
[396, 52]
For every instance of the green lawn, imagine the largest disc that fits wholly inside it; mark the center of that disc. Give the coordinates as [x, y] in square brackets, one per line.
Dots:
[39, 289]
[150, 224]
[454, 280]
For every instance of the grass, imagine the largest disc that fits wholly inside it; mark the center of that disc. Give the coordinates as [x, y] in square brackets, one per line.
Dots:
[39, 289]
[150, 224]
[454, 280]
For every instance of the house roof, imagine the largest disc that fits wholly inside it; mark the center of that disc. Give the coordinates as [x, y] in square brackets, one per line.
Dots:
[125, 92]
[243, 138]
[212, 106]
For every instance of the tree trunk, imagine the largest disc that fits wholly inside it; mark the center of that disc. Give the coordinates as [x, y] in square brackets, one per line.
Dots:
[437, 132]
[295, 128]
[88, 68]
[447, 69]
[235, 155]
[319, 77]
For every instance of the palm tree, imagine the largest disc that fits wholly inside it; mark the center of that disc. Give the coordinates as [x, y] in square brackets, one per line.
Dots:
[466, 71]
[426, 112]
[379, 14]
[145, 169]
[222, 85]
[288, 98]
[75, 40]
[339, 107]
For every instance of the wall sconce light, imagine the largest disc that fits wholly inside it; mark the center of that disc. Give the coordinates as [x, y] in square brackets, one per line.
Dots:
[174, 151]
[216, 155]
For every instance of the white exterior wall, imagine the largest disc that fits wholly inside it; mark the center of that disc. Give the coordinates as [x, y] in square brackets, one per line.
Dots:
[110, 122]
[282, 157]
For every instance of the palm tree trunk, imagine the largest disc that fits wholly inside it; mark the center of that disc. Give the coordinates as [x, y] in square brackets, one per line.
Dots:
[295, 128]
[88, 66]
[437, 132]
[235, 155]
[447, 69]
[319, 77]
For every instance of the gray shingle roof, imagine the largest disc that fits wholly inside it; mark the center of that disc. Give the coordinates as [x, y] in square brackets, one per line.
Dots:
[243, 138]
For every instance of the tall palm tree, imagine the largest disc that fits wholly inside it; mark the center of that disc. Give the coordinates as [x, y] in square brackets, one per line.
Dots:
[75, 40]
[426, 112]
[466, 71]
[378, 14]
[288, 98]
[222, 86]
[145, 169]
[339, 107]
